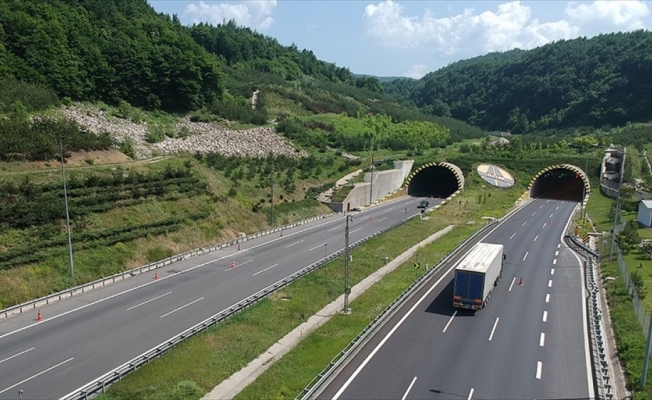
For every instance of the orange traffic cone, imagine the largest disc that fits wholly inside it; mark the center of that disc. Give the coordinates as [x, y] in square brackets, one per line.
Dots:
[521, 281]
[156, 275]
[39, 317]
[233, 264]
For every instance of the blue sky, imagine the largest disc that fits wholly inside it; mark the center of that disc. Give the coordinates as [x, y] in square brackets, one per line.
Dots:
[412, 38]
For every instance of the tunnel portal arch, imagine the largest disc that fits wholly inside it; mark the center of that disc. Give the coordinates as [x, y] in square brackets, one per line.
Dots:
[435, 180]
[560, 181]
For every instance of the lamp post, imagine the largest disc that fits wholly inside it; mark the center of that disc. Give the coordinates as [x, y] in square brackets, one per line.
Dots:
[325, 244]
[271, 155]
[371, 181]
[347, 290]
[405, 214]
[617, 210]
[65, 197]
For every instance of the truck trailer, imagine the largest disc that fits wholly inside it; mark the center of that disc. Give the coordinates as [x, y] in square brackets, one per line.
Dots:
[477, 274]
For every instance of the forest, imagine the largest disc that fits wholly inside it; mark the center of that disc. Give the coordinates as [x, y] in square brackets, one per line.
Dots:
[602, 81]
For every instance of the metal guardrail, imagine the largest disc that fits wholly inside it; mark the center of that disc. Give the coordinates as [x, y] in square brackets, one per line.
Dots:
[599, 357]
[317, 383]
[100, 385]
[64, 294]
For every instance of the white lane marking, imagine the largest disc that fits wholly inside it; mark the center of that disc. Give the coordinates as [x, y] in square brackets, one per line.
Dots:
[182, 307]
[556, 253]
[544, 225]
[470, 395]
[16, 355]
[551, 215]
[525, 256]
[554, 261]
[335, 228]
[382, 219]
[552, 271]
[319, 246]
[547, 201]
[548, 298]
[147, 301]
[510, 286]
[449, 321]
[260, 272]
[491, 335]
[294, 244]
[389, 335]
[37, 375]
[534, 213]
[238, 265]
[513, 234]
[409, 388]
[355, 230]
[539, 366]
[524, 222]
[545, 316]
[541, 206]
[535, 238]
[542, 339]
[557, 208]
[550, 283]
[558, 245]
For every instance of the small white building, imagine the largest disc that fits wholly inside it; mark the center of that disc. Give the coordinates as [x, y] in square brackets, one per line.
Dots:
[645, 213]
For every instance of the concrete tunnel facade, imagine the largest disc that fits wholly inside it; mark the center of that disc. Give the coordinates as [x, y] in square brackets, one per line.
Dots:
[435, 179]
[560, 182]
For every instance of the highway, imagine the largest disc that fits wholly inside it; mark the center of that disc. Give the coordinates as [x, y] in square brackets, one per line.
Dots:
[84, 337]
[528, 343]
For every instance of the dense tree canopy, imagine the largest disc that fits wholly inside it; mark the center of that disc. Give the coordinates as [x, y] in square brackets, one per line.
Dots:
[582, 82]
[107, 50]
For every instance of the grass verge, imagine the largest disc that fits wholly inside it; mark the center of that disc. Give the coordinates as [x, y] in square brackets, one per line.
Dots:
[202, 362]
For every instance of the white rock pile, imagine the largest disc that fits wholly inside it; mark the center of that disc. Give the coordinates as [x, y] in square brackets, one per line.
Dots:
[203, 138]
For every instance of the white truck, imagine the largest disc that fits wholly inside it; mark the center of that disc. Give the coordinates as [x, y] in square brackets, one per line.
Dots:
[477, 274]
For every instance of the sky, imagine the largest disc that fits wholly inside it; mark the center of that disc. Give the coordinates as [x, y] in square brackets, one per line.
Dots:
[412, 38]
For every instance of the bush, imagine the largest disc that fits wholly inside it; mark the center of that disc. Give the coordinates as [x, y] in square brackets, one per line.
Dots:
[128, 148]
[186, 390]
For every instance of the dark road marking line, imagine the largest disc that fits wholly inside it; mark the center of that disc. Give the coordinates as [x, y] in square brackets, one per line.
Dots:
[182, 307]
[147, 301]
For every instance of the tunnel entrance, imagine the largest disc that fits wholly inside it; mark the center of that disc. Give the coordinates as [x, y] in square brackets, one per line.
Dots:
[436, 180]
[563, 182]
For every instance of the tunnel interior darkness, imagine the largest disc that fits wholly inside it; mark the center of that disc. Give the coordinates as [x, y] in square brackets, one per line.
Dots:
[433, 181]
[558, 184]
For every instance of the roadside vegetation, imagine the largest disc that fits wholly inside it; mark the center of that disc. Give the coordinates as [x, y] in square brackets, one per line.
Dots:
[202, 362]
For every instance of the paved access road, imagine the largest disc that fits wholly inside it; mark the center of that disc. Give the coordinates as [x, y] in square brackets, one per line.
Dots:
[82, 338]
[528, 343]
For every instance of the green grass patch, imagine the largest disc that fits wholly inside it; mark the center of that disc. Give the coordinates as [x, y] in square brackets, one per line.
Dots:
[212, 356]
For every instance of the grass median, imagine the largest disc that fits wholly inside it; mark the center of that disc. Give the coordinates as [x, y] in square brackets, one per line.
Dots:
[200, 363]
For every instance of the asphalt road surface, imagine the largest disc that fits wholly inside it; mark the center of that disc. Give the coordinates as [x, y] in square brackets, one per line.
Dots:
[84, 337]
[528, 343]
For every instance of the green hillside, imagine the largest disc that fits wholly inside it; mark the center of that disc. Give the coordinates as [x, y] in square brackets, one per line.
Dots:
[605, 80]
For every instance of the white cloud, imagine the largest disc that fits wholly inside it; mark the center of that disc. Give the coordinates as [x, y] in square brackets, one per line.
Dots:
[252, 14]
[620, 14]
[417, 71]
[510, 26]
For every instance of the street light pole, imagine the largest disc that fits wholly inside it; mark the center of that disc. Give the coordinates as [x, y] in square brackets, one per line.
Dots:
[272, 184]
[325, 244]
[65, 197]
[617, 210]
[346, 309]
[371, 182]
[405, 215]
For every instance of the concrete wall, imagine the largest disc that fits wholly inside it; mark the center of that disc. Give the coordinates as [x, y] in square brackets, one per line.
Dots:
[384, 183]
